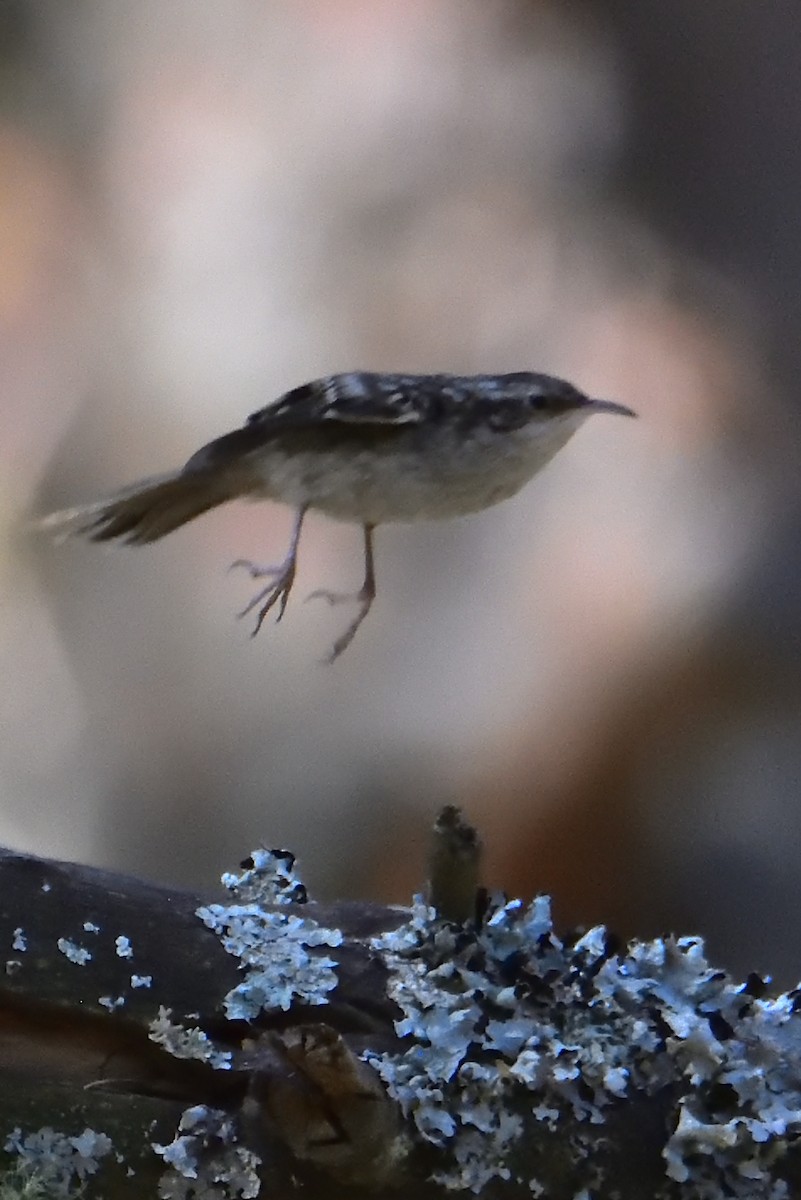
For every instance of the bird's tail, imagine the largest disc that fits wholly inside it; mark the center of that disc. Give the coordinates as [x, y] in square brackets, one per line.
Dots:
[142, 513]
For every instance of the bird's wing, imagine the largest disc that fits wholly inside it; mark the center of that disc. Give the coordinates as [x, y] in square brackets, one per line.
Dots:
[358, 398]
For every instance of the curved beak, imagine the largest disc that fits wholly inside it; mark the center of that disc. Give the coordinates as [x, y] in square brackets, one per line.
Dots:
[610, 406]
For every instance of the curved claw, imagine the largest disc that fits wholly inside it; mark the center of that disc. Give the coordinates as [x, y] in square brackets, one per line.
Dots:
[334, 597]
[279, 594]
[274, 593]
[254, 569]
[345, 639]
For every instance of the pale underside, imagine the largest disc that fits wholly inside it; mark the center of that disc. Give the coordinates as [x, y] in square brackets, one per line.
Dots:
[453, 476]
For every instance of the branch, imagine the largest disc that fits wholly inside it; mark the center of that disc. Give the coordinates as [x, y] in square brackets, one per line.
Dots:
[153, 1040]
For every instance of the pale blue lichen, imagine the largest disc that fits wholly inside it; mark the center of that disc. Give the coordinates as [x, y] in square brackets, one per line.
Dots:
[111, 1002]
[91, 927]
[182, 1042]
[205, 1160]
[506, 1018]
[75, 953]
[123, 947]
[274, 948]
[19, 940]
[61, 1163]
[141, 981]
[267, 877]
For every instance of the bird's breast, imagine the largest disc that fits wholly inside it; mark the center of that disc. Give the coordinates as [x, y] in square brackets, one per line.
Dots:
[418, 474]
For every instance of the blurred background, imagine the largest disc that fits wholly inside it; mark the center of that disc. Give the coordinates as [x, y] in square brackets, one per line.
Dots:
[204, 204]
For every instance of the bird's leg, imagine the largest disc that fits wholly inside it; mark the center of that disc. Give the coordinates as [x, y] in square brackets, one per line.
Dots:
[282, 576]
[364, 598]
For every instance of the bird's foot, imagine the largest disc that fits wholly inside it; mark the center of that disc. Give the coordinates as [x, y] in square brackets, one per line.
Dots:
[276, 592]
[363, 598]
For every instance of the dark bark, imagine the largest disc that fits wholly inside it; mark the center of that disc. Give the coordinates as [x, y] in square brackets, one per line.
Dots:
[298, 1091]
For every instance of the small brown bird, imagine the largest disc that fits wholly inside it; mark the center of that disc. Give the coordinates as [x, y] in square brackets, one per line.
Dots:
[361, 447]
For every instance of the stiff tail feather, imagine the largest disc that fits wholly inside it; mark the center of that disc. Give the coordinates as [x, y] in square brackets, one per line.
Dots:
[142, 513]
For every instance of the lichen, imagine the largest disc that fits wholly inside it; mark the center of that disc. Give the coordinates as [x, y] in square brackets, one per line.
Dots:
[274, 948]
[205, 1160]
[182, 1042]
[20, 1184]
[75, 953]
[278, 955]
[123, 947]
[504, 1019]
[267, 877]
[56, 1164]
[111, 1002]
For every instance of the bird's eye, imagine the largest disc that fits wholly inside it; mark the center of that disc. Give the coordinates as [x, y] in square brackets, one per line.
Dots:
[552, 402]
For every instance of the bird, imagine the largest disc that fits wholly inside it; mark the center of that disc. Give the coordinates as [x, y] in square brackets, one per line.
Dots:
[368, 448]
